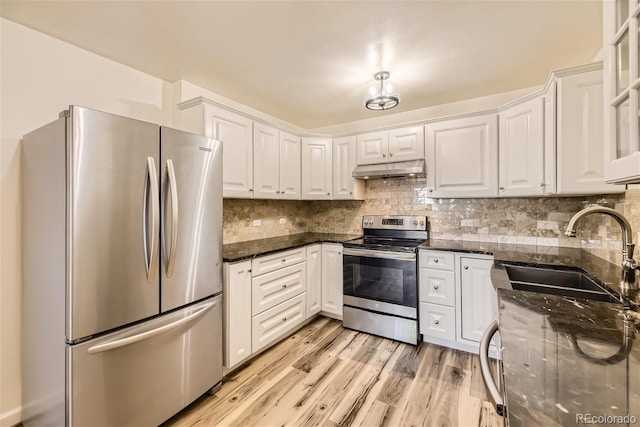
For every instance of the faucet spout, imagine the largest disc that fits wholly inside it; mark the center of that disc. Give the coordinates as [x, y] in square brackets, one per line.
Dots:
[629, 265]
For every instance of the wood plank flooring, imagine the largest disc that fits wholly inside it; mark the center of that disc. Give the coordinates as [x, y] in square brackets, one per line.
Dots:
[325, 375]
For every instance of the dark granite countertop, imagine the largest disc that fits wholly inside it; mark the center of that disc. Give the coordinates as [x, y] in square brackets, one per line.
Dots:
[252, 248]
[565, 360]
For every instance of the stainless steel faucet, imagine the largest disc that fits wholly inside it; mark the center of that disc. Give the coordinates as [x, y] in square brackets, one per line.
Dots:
[629, 265]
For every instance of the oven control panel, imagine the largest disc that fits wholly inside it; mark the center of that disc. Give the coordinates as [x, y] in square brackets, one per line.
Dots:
[395, 222]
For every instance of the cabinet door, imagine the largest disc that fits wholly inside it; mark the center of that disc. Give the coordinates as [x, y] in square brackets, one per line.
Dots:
[521, 150]
[316, 168]
[271, 289]
[237, 313]
[266, 162]
[462, 157]
[581, 135]
[406, 144]
[236, 133]
[289, 166]
[478, 302]
[314, 279]
[345, 187]
[372, 147]
[275, 323]
[332, 279]
[550, 163]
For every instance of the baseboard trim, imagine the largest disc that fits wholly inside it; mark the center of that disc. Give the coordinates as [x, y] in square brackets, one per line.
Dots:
[11, 418]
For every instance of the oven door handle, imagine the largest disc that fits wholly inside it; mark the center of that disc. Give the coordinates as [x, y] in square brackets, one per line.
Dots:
[379, 254]
[485, 369]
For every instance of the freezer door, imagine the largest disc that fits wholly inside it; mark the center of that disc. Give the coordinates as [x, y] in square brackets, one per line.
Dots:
[191, 211]
[143, 375]
[113, 222]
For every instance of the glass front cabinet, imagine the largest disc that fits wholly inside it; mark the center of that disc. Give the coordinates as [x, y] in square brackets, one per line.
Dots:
[621, 90]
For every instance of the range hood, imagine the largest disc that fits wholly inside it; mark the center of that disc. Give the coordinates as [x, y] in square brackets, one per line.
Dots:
[409, 168]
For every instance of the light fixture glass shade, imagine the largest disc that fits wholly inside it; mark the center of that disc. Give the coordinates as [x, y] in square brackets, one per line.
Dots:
[382, 98]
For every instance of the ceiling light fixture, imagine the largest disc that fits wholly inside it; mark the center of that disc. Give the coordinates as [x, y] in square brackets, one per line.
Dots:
[382, 98]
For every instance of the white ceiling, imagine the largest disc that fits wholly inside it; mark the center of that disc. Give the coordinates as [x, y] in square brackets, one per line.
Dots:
[311, 62]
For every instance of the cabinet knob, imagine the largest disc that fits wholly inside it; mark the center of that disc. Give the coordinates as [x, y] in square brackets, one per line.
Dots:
[250, 190]
[436, 287]
[384, 155]
[284, 319]
[542, 184]
[351, 193]
[436, 260]
[431, 190]
[339, 253]
[466, 267]
[501, 188]
[284, 260]
[284, 286]
[249, 270]
[277, 192]
[390, 154]
[436, 322]
[328, 194]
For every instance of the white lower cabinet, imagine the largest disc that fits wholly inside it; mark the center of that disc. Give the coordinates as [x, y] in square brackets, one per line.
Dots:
[478, 300]
[236, 313]
[271, 296]
[438, 321]
[314, 279]
[272, 324]
[332, 279]
[271, 289]
[457, 299]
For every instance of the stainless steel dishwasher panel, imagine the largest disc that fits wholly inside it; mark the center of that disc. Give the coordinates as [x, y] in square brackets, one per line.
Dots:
[146, 373]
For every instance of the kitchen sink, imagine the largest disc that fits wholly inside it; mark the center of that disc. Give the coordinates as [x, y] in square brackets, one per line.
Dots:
[564, 282]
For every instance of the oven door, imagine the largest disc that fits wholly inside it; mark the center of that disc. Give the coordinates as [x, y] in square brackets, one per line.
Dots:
[382, 281]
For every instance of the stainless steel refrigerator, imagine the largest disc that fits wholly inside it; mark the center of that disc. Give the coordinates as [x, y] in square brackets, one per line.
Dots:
[122, 271]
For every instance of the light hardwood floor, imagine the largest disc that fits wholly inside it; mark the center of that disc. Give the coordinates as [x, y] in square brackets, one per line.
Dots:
[325, 375]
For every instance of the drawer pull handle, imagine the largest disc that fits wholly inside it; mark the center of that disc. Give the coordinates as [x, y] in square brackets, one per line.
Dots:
[436, 287]
[436, 322]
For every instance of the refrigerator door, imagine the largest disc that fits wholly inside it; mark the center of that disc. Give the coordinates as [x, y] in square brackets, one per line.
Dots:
[113, 222]
[191, 229]
[144, 374]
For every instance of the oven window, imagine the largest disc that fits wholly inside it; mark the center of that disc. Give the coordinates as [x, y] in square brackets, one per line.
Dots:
[386, 280]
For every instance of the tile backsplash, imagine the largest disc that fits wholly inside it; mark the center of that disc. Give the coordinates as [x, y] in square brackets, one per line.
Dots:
[533, 220]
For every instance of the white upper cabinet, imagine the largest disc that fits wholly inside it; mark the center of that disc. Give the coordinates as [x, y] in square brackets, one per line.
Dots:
[290, 159]
[266, 170]
[621, 90]
[373, 147]
[462, 157]
[406, 144]
[521, 149]
[276, 157]
[316, 168]
[580, 135]
[345, 187]
[235, 132]
[395, 145]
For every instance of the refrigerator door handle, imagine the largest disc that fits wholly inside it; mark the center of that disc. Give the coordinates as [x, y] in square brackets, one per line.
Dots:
[151, 193]
[170, 259]
[100, 348]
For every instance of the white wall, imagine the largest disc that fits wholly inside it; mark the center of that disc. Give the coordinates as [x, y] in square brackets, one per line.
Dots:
[39, 77]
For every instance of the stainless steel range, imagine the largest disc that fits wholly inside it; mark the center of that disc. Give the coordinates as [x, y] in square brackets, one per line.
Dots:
[380, 277]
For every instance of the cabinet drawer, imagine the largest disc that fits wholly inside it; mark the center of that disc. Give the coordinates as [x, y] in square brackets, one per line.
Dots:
[269, 290]
[268, 263]
[437, 287]
[272, 324]
[438, 321]
[437, 260]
